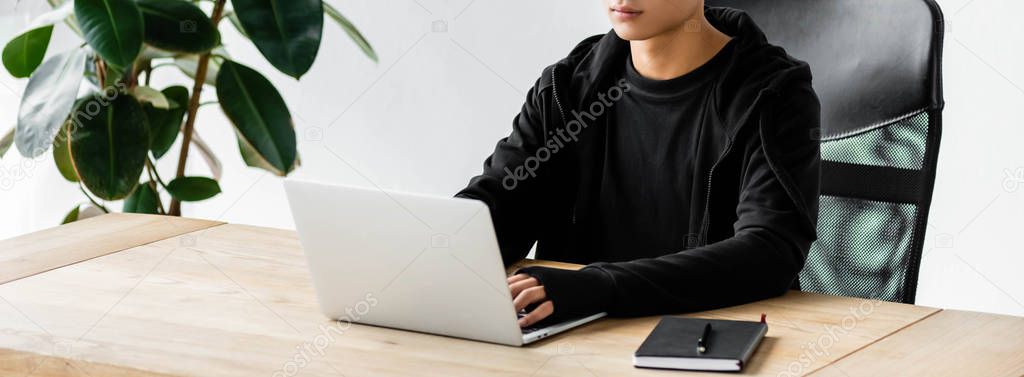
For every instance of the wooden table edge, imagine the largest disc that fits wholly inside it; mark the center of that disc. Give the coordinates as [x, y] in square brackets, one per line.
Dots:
[873, 342]
[210, 225]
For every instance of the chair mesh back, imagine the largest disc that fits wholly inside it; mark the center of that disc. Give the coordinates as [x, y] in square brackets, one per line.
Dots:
[869, 248]
[900, 144]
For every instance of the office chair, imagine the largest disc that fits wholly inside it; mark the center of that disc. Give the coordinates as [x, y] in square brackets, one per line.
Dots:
[877, 70]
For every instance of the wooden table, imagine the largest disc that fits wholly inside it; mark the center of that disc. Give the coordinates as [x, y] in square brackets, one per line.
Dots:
[128, 295]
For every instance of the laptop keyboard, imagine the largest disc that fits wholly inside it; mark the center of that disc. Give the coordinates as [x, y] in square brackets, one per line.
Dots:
[526, 330]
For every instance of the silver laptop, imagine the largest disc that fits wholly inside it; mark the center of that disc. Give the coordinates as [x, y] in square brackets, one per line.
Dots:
[407, 261]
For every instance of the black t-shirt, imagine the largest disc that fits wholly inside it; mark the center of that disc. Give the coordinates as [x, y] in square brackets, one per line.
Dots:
[644, 198]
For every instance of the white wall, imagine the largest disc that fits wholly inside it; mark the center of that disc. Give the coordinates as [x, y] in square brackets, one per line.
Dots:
[425, 117]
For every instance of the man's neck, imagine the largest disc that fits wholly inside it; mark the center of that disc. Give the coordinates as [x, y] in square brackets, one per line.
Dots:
[678, 51]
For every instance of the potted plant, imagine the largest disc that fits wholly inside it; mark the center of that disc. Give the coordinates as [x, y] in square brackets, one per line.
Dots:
[108, 140]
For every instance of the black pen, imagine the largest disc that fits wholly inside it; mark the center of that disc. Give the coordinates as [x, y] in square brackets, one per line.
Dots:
[702, 342]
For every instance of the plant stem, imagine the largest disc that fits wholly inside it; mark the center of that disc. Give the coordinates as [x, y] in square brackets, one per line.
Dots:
[163, 65]
[156, 173]
[193, 107]
[94, 202]
[101, 73]
[150, 169]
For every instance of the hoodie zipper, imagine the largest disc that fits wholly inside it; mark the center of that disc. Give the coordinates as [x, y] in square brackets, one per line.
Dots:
[554, 92]
[706, 223]
[561, 113]
[707, 197]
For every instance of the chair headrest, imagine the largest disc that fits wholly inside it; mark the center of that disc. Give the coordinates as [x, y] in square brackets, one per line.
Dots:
[872, 60]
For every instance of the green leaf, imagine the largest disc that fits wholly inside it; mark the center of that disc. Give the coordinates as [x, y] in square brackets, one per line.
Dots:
[176, 25]
[6, 141]
[259, 114]
[72, 215]
[209, 158]
[61, 157]
[252, 158]
[152, 96]
[48, 98]
[59, 13]
[287, 33]
[113, 28]
[165, 124]
[23, 54]
[193, 189]
[188, 63]
[142, 200]
[351, 30]
[115, 75]
[63, 10]
[108, 145]
[150, 53]
[233, 17]
[155, 118]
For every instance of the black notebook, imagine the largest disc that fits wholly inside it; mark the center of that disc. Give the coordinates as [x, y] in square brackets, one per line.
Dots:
[673, 344]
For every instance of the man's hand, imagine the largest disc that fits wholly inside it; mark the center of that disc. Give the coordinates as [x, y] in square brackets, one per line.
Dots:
[526, 291]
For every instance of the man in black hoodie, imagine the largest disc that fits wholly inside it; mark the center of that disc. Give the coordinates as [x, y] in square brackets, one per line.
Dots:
[676, 156]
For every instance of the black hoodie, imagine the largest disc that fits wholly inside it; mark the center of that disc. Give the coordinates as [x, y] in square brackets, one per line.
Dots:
[754, 208]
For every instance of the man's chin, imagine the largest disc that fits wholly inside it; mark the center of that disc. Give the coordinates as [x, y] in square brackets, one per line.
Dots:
[631, 34]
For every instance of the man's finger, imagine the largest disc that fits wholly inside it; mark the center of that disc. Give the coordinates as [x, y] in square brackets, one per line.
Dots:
[542, 311]
[522, 285]
[517, 277]
[529, 296]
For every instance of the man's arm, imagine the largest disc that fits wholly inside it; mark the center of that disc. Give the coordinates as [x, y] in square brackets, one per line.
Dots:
[773, 232]
[515, 199]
